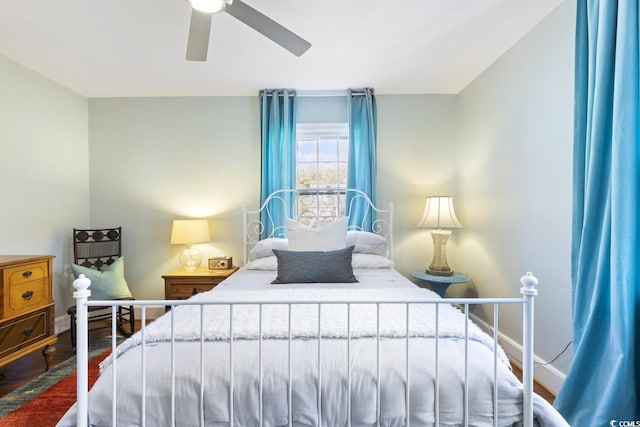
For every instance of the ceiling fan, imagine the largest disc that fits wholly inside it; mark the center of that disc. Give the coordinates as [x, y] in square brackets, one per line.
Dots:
[200, 28]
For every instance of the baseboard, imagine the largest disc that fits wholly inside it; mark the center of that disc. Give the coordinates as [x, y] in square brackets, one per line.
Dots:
[63, 323]
[546, 375]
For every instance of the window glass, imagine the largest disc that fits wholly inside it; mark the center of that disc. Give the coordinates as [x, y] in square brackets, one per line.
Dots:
[321, 171]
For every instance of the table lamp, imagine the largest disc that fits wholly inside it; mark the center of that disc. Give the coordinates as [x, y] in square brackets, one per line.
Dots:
[439, 215]
[189, 232]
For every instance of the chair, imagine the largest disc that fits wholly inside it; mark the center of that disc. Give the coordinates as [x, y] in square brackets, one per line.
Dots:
[97, 253]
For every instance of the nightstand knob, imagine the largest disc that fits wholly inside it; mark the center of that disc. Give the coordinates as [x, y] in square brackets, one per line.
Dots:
[194, 291]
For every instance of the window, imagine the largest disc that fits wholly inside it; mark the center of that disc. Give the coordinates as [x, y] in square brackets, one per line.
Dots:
[321, 171]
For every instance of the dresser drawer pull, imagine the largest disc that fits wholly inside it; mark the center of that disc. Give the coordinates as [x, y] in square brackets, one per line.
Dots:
[27, 273]
[27, 295]
[27, 331]
[194, 291]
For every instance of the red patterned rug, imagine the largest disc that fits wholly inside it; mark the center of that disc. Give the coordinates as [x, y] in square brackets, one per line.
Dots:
[50, 403]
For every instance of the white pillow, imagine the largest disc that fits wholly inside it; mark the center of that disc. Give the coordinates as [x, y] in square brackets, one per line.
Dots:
[328, 238]
[361, 260]
[366, 242]
[266, 263]
[265, 247]
[270, 263]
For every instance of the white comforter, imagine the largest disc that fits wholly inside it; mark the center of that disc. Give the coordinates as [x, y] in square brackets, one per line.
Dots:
[304, 317]
[362, 355]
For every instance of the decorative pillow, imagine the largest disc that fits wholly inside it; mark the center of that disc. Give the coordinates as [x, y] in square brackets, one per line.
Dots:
[367, 242]
[106, 284]
[315, 266]
[328, 238]
[371, 261]
[265, 247]
[265, 263]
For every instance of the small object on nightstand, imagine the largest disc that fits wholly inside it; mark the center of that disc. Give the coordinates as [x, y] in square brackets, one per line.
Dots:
[439, 284]
[220, 263]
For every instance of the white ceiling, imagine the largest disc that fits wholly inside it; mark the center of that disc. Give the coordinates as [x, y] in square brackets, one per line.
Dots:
[126, 48]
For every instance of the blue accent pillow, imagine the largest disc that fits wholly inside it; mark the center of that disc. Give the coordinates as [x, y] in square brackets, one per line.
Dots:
[106, 284]
[315, 266]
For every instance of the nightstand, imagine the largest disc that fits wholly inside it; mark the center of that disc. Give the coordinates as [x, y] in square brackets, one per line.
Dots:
[182, 285]
[439, 284]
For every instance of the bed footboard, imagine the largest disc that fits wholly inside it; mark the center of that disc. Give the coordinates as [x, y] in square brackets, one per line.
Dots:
[373, 342]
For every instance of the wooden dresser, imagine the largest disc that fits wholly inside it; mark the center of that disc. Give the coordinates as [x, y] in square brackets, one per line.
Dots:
[27, 310]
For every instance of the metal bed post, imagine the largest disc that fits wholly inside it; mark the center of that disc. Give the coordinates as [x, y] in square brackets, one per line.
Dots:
[81, 284]
[528, 291]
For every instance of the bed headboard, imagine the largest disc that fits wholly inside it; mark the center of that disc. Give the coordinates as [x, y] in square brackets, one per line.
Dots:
[253, 226]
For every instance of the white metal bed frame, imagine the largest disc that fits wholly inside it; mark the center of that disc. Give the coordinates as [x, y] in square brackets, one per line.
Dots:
[528, 291]
[253, 227]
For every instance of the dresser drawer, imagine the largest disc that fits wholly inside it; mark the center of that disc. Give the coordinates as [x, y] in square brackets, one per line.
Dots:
[22, 332]
[26, 296]
[26, 287]
[26, 273]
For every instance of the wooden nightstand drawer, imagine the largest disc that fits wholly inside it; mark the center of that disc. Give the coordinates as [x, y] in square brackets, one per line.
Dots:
[182, 285]
[184, 291]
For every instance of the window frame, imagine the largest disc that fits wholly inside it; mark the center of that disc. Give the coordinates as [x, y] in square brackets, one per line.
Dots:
[339, 130]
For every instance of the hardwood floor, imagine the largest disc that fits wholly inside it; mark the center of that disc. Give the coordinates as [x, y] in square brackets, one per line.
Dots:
[538, 388]
[27, 368]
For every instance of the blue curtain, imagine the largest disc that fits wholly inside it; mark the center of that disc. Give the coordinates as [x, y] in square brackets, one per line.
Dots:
[361, 168]
[278, 144]
[603, 382]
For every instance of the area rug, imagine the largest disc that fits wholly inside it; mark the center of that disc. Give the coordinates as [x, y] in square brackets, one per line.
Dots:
[43, 401]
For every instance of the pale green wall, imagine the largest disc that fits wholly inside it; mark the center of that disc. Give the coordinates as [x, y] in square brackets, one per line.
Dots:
[416, 137]
[44, 172]
[156, 159]
[515, 126]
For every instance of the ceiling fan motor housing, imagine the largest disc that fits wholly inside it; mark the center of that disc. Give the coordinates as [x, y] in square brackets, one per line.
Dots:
[209, 6]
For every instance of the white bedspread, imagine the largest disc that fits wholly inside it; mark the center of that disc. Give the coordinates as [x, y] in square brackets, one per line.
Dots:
[360, 355]
[304, 318]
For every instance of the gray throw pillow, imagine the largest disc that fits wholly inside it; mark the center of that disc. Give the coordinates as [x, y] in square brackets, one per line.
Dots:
[315, 266]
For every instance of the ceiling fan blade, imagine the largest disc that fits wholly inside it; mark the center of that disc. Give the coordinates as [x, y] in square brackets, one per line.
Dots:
[268, 27]
[199, 32]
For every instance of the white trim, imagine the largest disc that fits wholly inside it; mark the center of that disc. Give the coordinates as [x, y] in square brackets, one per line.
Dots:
[312, 93]
[61, 324]
[326, 129]
[546, 375]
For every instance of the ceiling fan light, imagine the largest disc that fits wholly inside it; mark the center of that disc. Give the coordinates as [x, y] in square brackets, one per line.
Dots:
[208, 6]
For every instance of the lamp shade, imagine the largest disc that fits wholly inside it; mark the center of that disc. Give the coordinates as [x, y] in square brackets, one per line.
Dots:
[190, 231]
[439, 213]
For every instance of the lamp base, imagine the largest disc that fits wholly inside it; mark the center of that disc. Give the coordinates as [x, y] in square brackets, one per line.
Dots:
[439, 272]
[439, 266]
[190, 259]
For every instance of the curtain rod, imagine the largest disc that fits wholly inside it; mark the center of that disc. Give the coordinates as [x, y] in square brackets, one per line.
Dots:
[320, 93]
